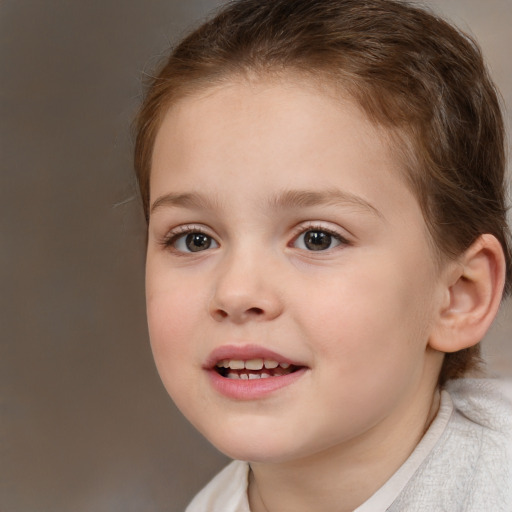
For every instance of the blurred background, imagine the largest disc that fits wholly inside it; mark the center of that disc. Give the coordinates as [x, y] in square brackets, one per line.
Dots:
[85, 424]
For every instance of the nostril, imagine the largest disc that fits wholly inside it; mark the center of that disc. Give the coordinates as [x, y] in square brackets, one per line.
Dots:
[240, 315]
[219, 314]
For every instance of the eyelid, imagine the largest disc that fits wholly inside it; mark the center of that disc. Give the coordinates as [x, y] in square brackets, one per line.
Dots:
[184, 229]
[319, 226]
[175, 233]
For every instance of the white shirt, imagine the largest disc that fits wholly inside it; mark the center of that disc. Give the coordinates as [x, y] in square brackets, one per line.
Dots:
[462, 463]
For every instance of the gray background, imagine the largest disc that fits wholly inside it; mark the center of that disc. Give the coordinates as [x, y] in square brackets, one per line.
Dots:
[85, 424]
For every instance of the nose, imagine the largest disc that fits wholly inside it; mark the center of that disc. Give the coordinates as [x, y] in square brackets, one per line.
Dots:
[246, 289]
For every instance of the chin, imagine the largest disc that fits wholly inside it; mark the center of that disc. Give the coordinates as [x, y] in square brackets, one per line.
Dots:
[269, 445]
[250, 445]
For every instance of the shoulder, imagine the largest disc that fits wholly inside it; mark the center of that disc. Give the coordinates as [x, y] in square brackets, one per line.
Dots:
[226, 492]
[470, 467]
[484, 402]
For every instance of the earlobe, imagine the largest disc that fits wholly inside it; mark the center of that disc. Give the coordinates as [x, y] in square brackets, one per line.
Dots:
[473, 294]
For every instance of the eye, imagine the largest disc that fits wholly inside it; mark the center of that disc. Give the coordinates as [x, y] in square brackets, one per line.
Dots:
[317, 240]
[194, 241]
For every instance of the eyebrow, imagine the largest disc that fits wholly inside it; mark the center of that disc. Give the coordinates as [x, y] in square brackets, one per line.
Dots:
[288, 199]
[185, 200]
[305, 198]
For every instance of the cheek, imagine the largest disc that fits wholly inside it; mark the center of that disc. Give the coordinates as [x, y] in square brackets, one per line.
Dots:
[173, 325]
[371, 319]
[173, 320]
[369, 337]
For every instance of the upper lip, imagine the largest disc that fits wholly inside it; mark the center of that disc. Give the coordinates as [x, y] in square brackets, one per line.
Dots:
[246, 353]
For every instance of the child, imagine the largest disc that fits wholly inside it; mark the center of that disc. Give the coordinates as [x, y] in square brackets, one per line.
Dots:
[327, 244]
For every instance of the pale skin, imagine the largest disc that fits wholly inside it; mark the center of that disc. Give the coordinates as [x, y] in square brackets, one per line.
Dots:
[255, 169]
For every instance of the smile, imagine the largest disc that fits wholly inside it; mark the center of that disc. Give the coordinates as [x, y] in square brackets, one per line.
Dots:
[251, 372]
[253, 368]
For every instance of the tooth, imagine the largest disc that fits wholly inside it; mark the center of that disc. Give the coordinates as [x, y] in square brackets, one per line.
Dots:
[235, 364]
[254, 364]
[271, 364]
[233, 375]
[264, 375]
[284, 365]
[244, 376]
[253, 376]
[225, 363]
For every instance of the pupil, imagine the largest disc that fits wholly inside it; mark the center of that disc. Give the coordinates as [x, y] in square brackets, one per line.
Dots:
[197, 242]
[317, 240]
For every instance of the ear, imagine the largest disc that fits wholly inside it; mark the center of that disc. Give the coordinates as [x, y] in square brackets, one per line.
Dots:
[472, 295]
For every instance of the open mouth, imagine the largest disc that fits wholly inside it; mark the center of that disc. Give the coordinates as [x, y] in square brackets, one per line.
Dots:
[253, 369]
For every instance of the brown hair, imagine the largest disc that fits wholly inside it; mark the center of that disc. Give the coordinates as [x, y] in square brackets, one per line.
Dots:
[409, 70]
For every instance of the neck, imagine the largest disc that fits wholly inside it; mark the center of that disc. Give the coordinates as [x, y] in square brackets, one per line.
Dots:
[341, 478]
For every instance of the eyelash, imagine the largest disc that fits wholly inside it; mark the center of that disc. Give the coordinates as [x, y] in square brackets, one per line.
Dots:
[302, 230]
[173, 236]
[179, 232]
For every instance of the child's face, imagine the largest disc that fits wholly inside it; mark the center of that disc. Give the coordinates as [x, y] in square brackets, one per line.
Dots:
[281, 230]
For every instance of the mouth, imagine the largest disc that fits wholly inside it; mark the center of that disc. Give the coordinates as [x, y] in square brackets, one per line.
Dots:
[251, 372]
[252, 369]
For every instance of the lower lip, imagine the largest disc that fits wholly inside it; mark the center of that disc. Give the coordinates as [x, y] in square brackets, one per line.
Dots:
[253, 389]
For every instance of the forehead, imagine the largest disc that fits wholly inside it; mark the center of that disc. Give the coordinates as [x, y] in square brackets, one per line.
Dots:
[273, 114]
[289, 129]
